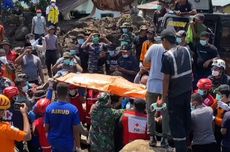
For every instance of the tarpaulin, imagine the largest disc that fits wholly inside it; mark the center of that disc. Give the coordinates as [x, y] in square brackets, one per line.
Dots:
[111, 84]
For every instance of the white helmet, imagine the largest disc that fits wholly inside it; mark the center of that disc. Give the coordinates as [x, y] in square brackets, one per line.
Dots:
[219, 63]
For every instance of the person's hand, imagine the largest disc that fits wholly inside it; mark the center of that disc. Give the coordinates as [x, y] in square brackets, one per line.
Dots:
[207, 63]
[178, 13]
[121, 69]
[24, 109]
[158, 119]
[51, 82]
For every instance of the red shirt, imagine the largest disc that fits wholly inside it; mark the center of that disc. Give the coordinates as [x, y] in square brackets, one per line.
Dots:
[11, 56]
[39, 125]
[77, 102]
[134, 126]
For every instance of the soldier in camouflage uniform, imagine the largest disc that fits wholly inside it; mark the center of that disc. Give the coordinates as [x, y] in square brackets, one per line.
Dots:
[101, 133]
[96, 51]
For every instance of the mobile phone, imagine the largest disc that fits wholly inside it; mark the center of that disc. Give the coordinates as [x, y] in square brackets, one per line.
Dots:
[17, 106]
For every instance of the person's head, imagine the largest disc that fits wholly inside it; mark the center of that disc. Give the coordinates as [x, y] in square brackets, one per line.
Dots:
[80, 39]
[151, 34]
[140, 105]
[143, 30]
[2, 52]
[67, 58]
[96, 38]
[21, 84]
[11, 92]
[28, 48]
[168, 38]
[124, 40]
[204, 38]
[53, 2]
[41, 105]
[222, 93]
[62, 91]
[180, 37]
[199, 18]
[39, 13]
[104, 99]
[51, 29]
[125, 27]
[73, 91]
[196, 100]
[6, 46]
[144, 79]
[125, 51]
[182, 2]
[218, 68]
[204, 86]
[4, 105]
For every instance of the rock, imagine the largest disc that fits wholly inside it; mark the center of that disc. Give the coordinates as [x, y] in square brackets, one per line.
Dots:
[138, 146]
[21, 32]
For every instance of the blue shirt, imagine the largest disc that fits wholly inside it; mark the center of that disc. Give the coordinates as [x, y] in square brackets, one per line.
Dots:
[61, 117]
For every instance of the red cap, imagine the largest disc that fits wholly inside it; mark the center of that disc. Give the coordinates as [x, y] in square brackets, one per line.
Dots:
[38, 11]
[11, 92]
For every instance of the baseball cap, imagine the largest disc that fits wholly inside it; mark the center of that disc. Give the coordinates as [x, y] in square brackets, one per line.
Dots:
[143, 27]
[125, 48]
[199, 16]
[181, 33]
[168, 33]
[204, 34]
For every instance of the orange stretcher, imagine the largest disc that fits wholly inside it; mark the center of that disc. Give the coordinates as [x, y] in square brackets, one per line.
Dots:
[112, 84]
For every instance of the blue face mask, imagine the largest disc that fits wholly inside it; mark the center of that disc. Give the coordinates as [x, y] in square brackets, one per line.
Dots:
[73, 52]
[203, 42]
[178, 40]
[218, 97]
[125, 30]
[66, 61]
[80, 41]
[201, 92]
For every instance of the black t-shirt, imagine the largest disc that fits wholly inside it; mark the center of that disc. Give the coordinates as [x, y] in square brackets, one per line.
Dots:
[225, 79]
[184, 8]
[182, 84]
[204, 53]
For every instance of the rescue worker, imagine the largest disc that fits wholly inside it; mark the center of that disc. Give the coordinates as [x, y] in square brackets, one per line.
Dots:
[126, 28]
[219, 76]
[134, 123]
[146, 45]
[8, 133]
[82, 53]
[52, 13]
[101, 133]
[96, 50]
[140, 39]
[177, 82]
[38, 25]
[223, 105]
[127, 64]
[204, 89]
[204, 56]
[39, 124]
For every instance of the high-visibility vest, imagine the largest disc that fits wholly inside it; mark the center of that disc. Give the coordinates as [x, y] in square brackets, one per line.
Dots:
[53, 15]
[134, 126]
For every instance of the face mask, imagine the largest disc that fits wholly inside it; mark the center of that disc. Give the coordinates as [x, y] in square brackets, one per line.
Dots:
[125, 30]
[3, 59]
[157, 39]
[218, 97]
[201, 92]
[66, 61]
[203, 42]
[25, 89]
[125, 56]
[178, 40]
[96, 40]
[39, 15]
[215, 73]
[80, 41]
[72, 92]
[53, 4]
[124, 43]
[73, 52]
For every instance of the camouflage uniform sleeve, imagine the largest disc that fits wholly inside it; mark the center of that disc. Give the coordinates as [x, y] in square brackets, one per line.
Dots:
[117, 113]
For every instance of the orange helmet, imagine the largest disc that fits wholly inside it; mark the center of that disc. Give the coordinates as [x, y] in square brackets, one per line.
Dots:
[204, 84]
[4, 102]
[41, 105]
[11, 92]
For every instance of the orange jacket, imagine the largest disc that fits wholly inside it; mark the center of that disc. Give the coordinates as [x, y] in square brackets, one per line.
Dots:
[219, 116]
[145, 46]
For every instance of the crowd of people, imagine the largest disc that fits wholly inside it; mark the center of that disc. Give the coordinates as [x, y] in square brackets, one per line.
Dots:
[187, 102]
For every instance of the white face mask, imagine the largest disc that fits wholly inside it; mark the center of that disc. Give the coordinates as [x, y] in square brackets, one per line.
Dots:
[3, 59]
[53, 4]
[25, 89]
[125, 56]
[39, 15]
[215, 73]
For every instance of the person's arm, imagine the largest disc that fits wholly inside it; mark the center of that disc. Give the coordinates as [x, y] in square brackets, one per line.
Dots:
[26, 124]
[106, 40]
[40, 71]
[143, 51]
[79, 68]
[3, 33]
[76, 131]
[32, 26]
[147, 57]
[19, 58]
[165, 87]
[225, 124]
[85, 44]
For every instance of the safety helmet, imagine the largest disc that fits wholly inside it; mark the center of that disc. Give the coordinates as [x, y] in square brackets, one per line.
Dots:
[41, 105]
[219, 63]
[11, 92]
[53, 1]
[204, 84]
[4, 102]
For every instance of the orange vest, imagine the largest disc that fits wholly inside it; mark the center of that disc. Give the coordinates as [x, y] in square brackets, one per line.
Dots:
[134, 126]
[219, 116]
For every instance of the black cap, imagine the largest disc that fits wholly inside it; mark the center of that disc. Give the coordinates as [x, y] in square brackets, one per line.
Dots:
[125, 48]
[151, 31]
[204, 34]
[168, 33]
